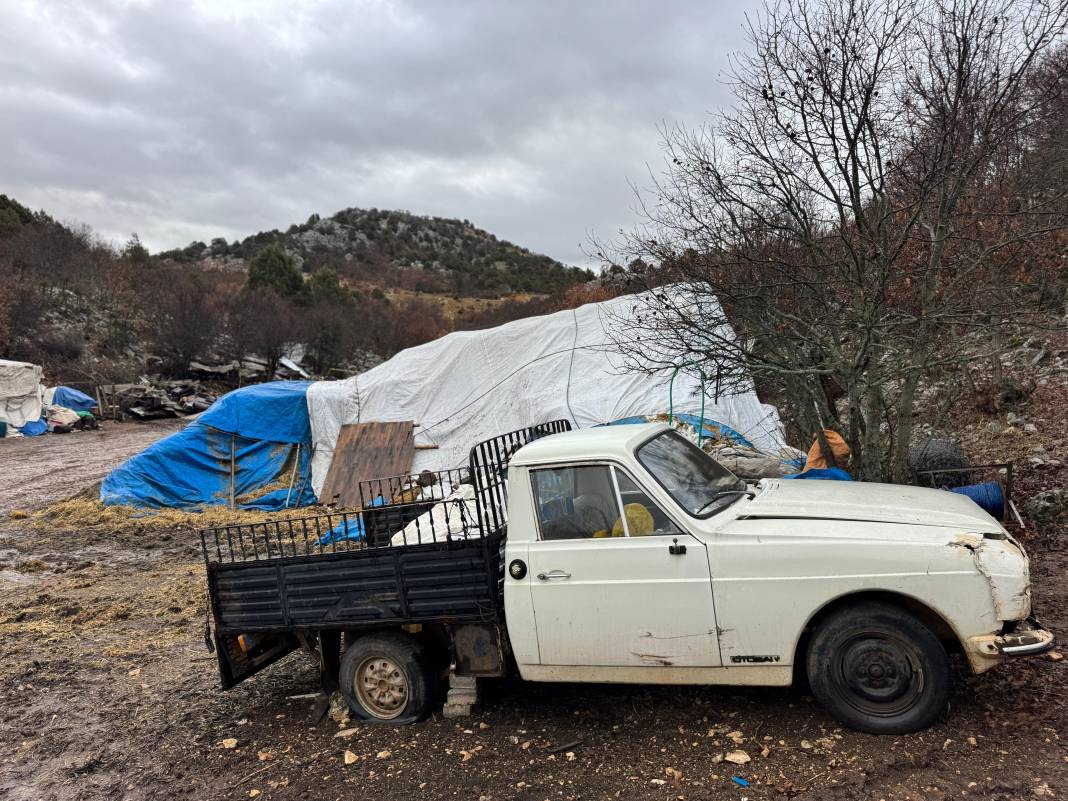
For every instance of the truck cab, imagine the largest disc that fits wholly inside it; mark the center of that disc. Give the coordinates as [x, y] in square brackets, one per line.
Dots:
[643, 560]
[627, 554]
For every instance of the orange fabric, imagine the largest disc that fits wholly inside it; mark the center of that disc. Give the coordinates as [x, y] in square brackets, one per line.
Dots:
[838, 447]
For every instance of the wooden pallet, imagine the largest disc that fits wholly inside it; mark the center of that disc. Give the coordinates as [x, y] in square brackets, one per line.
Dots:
[365, 451]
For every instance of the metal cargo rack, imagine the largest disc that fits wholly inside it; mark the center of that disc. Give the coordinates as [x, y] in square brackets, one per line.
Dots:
[391, 503]
[299, 575]
[489, 469]
[404, 505]
[336, 533]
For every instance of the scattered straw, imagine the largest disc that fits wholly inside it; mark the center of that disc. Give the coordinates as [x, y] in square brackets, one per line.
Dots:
[91, 514]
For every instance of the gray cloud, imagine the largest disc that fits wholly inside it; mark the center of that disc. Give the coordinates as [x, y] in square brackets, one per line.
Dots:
[221, 119]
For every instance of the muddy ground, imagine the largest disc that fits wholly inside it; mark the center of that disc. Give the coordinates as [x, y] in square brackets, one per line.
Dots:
[107, 692]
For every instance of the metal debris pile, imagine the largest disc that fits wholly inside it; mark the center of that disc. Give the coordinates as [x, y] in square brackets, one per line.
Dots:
[152, 400]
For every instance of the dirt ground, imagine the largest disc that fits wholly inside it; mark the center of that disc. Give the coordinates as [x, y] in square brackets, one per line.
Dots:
[107, 691]
[39, 470]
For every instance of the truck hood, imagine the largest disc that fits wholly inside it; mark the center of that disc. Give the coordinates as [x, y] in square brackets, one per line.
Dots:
[876, 503]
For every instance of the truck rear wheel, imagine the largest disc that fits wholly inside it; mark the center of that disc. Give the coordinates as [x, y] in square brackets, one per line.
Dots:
[384, 677]
[879, 670]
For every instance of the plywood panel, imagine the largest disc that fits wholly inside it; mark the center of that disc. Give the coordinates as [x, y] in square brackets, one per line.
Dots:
[364, 451]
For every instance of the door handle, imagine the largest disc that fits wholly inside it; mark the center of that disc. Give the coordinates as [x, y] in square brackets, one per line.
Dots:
[554, 575]
[675, 549]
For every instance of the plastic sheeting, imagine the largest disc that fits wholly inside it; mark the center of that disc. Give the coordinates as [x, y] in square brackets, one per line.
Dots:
[710, 429]
[34, 428]
[21, 393]
[823, 474]
[472, 385]
[265, 423]
[70, 398]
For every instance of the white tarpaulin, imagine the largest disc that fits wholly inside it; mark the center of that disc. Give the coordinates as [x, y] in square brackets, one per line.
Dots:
[21, 393]
[472, 385]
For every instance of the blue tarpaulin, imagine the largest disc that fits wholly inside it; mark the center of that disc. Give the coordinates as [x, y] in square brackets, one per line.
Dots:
[711, 429]
[351, 529]
[264, 424]
[34, 428]
[824, 474]
[72, 399]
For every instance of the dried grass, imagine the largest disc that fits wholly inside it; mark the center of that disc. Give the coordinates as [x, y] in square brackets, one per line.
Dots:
[102, 601]
[90, 514]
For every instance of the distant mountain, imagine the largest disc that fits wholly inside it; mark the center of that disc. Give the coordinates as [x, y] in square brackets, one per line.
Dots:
[442, 254]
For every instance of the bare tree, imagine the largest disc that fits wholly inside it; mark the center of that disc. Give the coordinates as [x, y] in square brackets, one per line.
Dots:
[261, 322]
[185, 315]
[854, 213]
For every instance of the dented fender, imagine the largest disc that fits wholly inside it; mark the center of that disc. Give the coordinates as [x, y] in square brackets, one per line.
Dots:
[1004, 565]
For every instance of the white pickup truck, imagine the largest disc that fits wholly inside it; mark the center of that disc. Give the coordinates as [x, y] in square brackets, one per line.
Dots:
[627, 554]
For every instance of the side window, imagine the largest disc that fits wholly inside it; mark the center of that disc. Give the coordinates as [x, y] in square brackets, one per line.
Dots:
[576, 502]
[643, 516]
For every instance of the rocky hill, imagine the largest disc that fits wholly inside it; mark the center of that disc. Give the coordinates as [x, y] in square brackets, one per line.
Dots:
[395, 247]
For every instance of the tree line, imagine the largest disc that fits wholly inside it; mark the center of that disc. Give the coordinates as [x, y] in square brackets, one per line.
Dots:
[883, 205]
[89, 311]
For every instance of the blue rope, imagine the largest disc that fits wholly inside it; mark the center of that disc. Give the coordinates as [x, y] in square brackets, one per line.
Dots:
[988, 496]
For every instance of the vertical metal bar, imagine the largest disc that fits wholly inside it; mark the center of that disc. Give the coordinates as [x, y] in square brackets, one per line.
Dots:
[266, 539]
[304, 529]
[292, 536]
[499, 466]
[398, 574]
[230, 543]
[619, 503]
[204, 546]
[233, 449]
[278, 537]
[293, 475]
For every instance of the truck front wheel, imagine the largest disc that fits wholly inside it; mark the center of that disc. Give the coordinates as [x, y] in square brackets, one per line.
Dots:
[385, 678]
[878, 669]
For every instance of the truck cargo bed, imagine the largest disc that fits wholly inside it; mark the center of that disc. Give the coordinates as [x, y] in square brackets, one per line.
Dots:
[452, 581]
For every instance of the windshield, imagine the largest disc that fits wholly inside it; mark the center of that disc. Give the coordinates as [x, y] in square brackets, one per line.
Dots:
[691, 476]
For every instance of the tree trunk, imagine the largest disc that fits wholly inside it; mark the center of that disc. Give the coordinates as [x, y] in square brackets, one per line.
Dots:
[898, 468]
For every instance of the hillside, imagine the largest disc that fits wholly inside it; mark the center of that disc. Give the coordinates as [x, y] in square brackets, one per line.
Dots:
[353, 289]
[395, 248]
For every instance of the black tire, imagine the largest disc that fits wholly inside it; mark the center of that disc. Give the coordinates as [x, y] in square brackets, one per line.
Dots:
[878, 669]
[939, 454]
[386, 678]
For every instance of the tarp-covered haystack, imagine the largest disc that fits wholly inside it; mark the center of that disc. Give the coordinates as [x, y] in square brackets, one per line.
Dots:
[472, 385]
[21, 393]
[27, 409]
[253, 445]
[460, 389]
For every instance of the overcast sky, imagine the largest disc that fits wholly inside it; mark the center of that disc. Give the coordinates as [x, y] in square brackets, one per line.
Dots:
[190, 121]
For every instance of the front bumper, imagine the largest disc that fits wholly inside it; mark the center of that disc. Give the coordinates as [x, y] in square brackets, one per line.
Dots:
[1019, 638]
[1027, 638]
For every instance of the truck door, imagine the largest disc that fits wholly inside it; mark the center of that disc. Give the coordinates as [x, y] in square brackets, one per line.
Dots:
[614, 581]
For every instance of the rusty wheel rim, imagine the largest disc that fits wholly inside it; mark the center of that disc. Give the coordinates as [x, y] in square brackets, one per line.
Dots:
[879, 674]
[381, 686]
